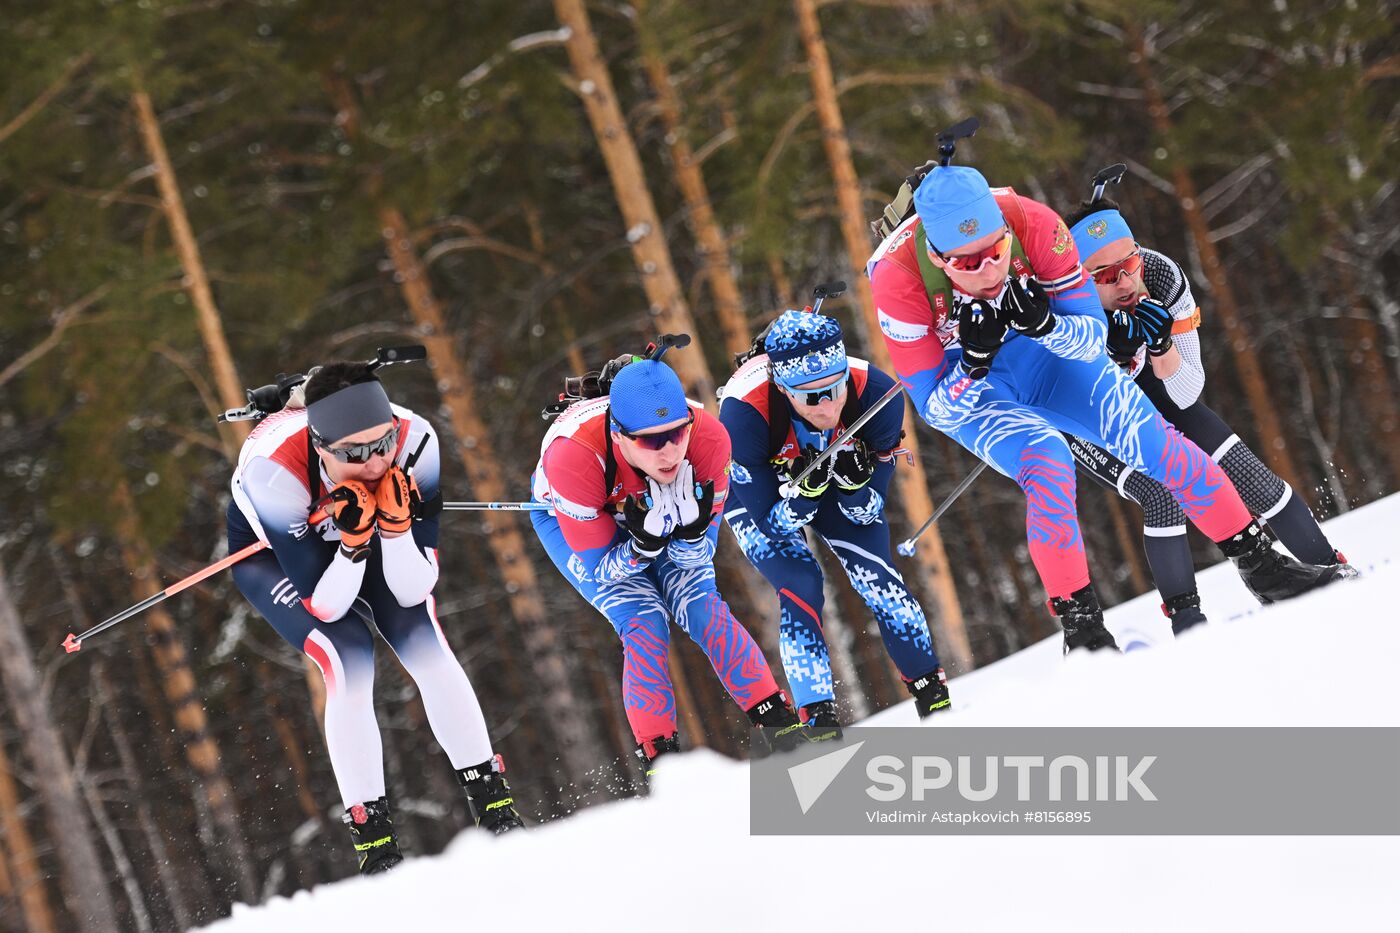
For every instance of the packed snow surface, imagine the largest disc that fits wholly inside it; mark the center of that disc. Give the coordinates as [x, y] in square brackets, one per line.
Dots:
[683, 859]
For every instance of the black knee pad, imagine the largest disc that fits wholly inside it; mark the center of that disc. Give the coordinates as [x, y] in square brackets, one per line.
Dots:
[1260, 487]
[1159, 508]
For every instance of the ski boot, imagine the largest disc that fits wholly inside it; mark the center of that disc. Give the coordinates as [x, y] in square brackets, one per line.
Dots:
[488, 796]
[1082, 621]
[1184, 610]
[780, 727]
[647, 752]
[821, 716]
[373, 833]
[930, 693]
[1345, 571]
[1269, 575]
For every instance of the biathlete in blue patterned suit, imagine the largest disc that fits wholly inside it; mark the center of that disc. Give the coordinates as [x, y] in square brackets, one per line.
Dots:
[781, 409]
[636, 479]
[994, 329]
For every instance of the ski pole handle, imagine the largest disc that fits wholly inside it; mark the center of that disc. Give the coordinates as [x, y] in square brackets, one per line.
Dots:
[906, 547]
[846, 435]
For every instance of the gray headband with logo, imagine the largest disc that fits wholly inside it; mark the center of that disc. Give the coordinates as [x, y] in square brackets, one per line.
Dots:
[349, 411]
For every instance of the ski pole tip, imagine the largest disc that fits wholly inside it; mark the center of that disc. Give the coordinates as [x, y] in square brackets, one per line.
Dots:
[71, 644]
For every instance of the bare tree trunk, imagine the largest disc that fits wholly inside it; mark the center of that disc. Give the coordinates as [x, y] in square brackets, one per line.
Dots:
[576, 735]
[210, 323]
[1242, 349]
[714, 248]
[173, 887]
[914, 498]
[84, 878]
[131, 884]
[178, 682]
[19, 846]
[644, 231]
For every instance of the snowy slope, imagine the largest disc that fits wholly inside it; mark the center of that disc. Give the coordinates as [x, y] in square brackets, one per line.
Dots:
[683, 859]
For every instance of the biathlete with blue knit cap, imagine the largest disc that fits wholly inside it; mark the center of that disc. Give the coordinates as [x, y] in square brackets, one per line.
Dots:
[781, 409]
[373, 559]
[1153, 322]
[994, 329]
[637, 479]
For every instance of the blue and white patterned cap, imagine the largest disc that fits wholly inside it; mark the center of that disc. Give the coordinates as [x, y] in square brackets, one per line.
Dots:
[803, 347]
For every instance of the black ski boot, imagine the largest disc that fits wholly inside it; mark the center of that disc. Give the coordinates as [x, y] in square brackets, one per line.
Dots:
[488, 796]
[780, 727]
[1269, 575]
[821, 717]
[1082, 620]
[1345, 571]
[373, 833]
[931, 694]
[647, 752]
[1184, 611]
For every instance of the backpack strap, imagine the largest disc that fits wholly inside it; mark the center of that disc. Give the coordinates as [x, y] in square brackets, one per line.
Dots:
[779, 419]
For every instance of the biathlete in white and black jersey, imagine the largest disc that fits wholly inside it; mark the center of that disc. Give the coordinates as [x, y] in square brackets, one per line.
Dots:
[1153, 333]
[372, 559]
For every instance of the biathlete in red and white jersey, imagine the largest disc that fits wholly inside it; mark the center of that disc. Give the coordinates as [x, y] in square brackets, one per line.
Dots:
[370, 560]
[637, 480]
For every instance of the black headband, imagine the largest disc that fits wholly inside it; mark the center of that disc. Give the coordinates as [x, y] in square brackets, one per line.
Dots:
[349, 411]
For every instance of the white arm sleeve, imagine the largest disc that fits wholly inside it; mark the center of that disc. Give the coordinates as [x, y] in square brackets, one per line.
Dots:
[410, 571]
[337, 588]
[1185, 385]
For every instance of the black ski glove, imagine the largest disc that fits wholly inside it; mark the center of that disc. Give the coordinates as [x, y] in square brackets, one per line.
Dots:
[1125, 337]
[1156, 323]
[853, 467]
[1027, 308]
[981, 330]
[814, 486]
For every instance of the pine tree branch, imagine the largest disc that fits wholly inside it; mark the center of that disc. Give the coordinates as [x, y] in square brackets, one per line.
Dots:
[62, 321]
[48, 94]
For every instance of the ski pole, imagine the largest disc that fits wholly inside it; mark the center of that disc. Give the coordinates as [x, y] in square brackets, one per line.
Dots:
[846, 435]
[75, 642]
[907, 547]
[497, 507]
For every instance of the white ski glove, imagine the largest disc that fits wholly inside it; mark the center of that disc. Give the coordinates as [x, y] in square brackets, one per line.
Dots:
[682, 491]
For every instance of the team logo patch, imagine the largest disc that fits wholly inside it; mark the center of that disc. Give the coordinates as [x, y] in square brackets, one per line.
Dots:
[1063, 241]
[739, 473]
[1097, 229]
[969, 227]
[661, 412]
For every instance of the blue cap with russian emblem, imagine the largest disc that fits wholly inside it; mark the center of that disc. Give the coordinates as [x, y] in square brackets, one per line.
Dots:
[646, 394]
[804, 347]
[956, 207]
[1099, 229]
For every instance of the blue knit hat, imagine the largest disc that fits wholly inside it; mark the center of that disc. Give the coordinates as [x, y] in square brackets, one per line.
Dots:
[1097, 230]
[646, 394]
[956, 207]
[803, 347]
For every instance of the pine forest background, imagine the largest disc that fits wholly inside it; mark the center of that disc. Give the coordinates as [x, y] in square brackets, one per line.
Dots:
[198, 194]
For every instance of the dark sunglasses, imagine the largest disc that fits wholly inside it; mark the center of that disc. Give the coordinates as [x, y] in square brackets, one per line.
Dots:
[1128, 265]
[361, 453]
[816, 397]
[660, 439]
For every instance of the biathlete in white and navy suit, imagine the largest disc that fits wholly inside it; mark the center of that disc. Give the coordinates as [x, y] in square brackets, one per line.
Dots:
[781, 409]
[370, 560]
